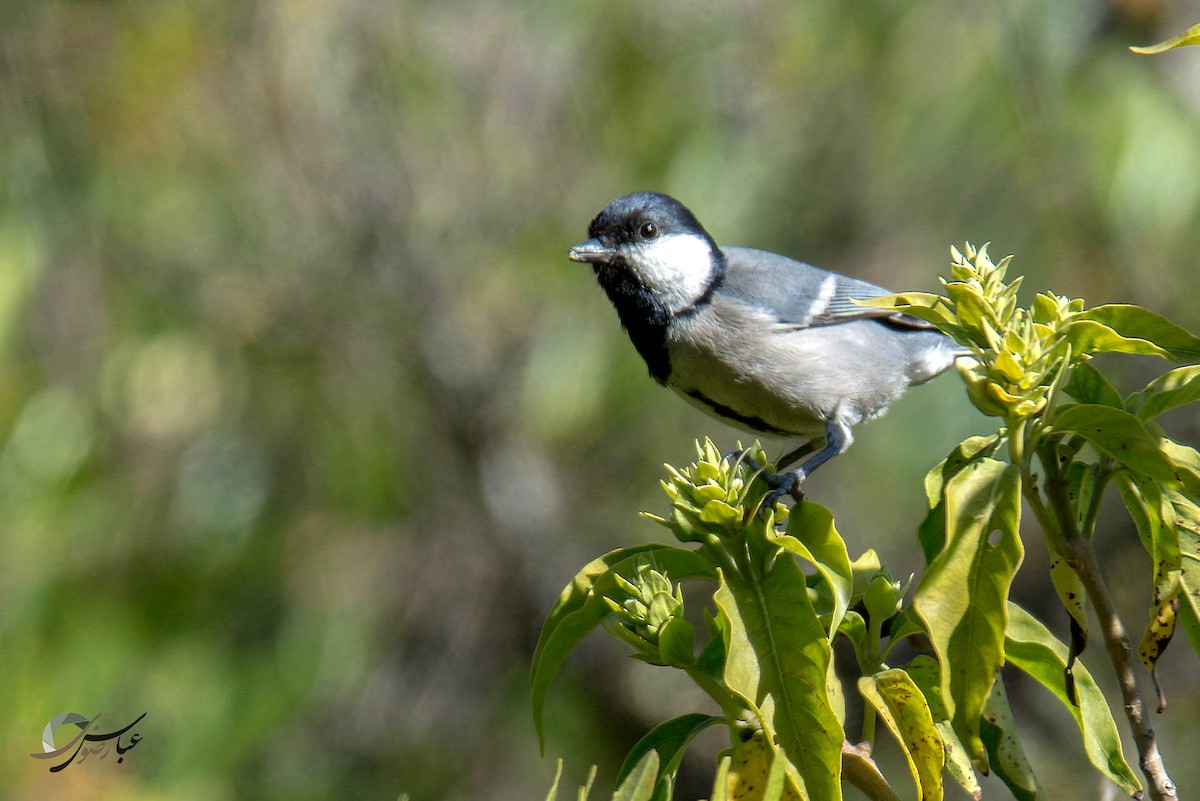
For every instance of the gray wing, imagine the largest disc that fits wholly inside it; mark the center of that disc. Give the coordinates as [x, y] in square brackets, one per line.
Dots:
[802, 296]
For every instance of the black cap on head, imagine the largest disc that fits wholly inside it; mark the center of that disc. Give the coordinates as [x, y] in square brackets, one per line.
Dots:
[623, 219]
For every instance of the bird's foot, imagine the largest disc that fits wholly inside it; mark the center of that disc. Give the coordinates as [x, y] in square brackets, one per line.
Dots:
[780, 484]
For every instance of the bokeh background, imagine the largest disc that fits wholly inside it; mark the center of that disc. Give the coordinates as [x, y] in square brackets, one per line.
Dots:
[305, 418]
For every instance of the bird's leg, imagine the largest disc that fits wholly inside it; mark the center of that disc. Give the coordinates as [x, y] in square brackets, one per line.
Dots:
[838, 438]
[799, 453]
[781, 482]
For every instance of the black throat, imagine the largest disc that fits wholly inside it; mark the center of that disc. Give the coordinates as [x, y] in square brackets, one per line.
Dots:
[645, 317]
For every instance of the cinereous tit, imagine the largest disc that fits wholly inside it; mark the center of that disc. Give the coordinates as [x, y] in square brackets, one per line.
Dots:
[766, 343]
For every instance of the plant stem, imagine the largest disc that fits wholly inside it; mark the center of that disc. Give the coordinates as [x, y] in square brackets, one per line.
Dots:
[733, 708]
[1082, 559]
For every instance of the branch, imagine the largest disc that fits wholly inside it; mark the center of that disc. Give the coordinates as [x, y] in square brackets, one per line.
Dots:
[1082, 559]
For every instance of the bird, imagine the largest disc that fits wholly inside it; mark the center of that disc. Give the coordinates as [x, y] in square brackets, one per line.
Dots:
[768, 344]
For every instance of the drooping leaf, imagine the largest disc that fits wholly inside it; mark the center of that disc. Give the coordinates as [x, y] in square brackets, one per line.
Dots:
[639, 783]
[962, 598]
[811, 535]
[1189, 37]
[1035, 651]
[581, 607]
[1187, 519]
[1134, 322]
[1118, 434]
[1168, 391]
[901, 705]
[1160, 630]
[777, 661]
[1089, 385]
[1073, 596]
[925, 673]
[670, 740]
[1007, 754]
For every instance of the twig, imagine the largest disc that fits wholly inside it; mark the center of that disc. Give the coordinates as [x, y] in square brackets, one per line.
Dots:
[1063, 529]
[1082, 559]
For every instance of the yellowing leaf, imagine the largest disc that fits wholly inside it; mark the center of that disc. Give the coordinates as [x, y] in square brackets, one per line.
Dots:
[1189, 37]
[900, 704]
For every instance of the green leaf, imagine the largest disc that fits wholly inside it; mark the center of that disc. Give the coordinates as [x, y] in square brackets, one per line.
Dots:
[1187, 520]
[926, 674]
[1189, 37]
[1008, 759]
[924, 305]
[904, 709]
[811, 535]
[581, 607]
[1176, 388]
[1088, 385]
[1186, 463]
[962, 598]
[1118, 434]
[777, 661]
[711, 660]
[1190, 621]
[639, 783]
[670, 740]
[932, 531]
[863, 570]
[1035, 651]
[1088, 336]
[1134, 322]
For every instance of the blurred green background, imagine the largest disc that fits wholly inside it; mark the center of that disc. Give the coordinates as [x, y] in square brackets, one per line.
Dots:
[305, 418]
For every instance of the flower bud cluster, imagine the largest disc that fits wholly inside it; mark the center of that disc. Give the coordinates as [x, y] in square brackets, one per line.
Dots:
[1017, 353]
[712, 497]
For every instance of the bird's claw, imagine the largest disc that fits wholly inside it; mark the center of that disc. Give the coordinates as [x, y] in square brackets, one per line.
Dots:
[780, 483]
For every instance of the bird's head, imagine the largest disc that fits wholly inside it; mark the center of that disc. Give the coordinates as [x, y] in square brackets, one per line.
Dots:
[651, 243]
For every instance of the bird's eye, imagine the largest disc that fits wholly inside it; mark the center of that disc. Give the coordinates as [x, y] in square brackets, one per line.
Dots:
[648, 230]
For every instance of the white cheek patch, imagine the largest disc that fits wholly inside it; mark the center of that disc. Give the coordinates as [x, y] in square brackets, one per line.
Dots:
[676, 267]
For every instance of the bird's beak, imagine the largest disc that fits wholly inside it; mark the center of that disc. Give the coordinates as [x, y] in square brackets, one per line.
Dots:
[593, 250]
